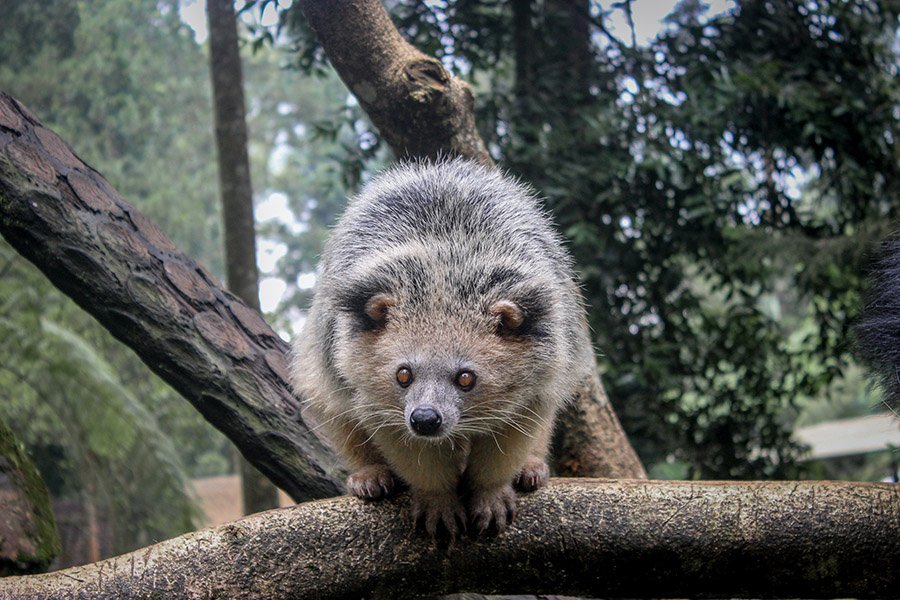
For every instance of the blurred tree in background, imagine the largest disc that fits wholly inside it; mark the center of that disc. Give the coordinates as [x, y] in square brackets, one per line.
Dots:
[119, 80]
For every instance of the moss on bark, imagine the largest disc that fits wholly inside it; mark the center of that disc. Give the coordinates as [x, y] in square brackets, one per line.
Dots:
[28, 537]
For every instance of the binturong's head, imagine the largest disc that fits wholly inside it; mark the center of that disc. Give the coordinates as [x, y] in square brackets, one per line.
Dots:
[436, 371]
[446, 306]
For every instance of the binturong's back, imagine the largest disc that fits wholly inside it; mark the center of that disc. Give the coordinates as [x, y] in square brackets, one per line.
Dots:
[445, 332]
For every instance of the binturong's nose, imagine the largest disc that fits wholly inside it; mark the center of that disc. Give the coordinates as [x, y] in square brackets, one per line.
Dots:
[425, 420]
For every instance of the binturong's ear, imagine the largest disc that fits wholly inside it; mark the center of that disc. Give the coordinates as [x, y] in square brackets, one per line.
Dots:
[377, 308]
[509, 316]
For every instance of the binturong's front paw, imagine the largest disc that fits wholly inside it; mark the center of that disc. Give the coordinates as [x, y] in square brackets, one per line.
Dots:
[492, 510]
[534, 475]
[440, 513]
[372, 482]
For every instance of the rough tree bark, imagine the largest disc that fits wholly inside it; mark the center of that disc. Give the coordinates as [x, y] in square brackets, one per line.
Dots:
[597, 538]
[117, 265]
[236, 191]
[417, 106]
[423, 111]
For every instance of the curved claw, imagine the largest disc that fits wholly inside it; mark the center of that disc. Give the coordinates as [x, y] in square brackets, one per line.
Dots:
[441, 514]
[492, 511]
[372, 482]
[533, 475]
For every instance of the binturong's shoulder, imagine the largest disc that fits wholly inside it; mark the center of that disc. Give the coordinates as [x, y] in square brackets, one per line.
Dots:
[878, 333]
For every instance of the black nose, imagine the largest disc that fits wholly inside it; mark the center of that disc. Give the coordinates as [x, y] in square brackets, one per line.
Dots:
[425, 420]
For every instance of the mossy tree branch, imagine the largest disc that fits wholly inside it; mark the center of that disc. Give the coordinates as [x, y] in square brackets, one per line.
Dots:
[29, 540]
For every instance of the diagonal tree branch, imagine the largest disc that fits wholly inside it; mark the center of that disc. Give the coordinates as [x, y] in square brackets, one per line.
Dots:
[417, 106]
[596, 538]
[117, 265]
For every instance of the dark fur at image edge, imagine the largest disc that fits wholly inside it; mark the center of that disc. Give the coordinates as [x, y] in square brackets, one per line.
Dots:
[878, 334]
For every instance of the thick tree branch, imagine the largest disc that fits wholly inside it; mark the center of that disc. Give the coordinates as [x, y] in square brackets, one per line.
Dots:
[597, 538]
[117, 265]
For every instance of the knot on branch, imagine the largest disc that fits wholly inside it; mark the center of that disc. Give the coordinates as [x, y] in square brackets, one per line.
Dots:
[427, 79]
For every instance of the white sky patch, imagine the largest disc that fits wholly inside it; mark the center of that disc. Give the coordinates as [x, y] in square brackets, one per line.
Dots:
[268, 253]
[274, 207]
[193, 12]
[648, 16]
[279, 156]
[270, 15]
[306, 281]
[271, 291]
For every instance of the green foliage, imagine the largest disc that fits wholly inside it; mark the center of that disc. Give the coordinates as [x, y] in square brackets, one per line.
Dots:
[83, 425]
[721, 188]
[127, 87]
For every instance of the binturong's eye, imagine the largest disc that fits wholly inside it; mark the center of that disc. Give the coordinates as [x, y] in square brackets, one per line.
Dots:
[465, 380]
[404, 376]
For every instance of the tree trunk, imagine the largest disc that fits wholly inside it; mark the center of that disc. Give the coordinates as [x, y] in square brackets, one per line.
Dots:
[595, 538]
[117, 265]
[589, 440]
[237, 198]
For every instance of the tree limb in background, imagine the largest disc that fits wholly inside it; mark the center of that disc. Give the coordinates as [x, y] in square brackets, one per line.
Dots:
[595, 538]
[118, 266]
[417, 106]
[423, 111]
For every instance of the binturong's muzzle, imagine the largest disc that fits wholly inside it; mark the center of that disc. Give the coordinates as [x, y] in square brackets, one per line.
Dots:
[425, 420]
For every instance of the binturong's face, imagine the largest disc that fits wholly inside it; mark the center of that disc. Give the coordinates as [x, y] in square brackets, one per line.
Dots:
[434, 372]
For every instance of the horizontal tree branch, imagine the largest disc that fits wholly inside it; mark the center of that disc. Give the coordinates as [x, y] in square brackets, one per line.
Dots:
[597, 538]
[117, 265]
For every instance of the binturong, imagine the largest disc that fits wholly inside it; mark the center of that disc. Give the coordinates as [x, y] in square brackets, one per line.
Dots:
[445, 333]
